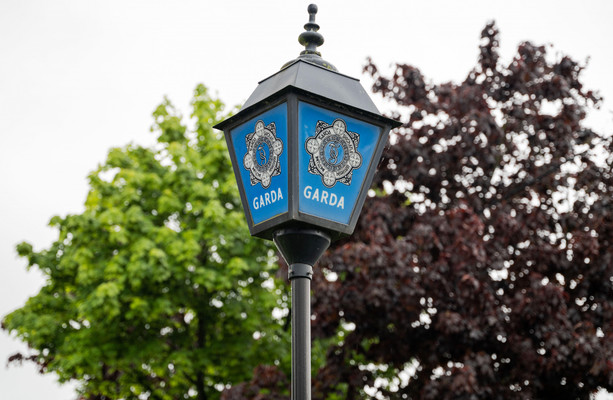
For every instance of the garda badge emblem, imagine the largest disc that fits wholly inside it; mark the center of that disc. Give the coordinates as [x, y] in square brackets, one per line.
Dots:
[334, 152]
[263, 151]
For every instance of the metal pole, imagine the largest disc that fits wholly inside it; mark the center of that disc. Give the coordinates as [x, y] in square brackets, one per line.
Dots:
[301, 248]
[300, 276]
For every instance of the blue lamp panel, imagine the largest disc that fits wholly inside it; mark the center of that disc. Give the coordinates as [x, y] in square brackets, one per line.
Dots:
[260, 146]
[334, 155]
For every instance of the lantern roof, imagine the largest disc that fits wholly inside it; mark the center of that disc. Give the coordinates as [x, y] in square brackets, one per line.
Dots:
[301, 76]
[318, 80]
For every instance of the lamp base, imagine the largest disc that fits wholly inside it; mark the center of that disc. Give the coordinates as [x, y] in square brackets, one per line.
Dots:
[301, 245]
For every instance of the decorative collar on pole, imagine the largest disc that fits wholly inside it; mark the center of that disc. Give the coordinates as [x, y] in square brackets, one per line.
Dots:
[311, 39]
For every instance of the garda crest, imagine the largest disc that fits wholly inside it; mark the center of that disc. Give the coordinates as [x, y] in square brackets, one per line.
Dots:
[263, 151]
[334, 152]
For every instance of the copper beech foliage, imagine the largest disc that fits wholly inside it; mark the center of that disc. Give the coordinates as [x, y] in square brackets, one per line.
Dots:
[483, 267]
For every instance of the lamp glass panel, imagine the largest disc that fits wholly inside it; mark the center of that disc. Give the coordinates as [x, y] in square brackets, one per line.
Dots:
[260, 146]
[335, 151]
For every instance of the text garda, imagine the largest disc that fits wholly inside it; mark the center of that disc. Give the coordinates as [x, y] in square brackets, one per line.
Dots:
[267, 198]
[324, 197]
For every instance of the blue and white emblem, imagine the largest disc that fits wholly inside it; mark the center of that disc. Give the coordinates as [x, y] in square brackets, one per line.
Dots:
[263, 151]
[334, 152]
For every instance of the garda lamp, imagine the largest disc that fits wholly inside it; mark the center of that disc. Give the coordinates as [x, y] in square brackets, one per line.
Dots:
[305, 146]
[304, 149]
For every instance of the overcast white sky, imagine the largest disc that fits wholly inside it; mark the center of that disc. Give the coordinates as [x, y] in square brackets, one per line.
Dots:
[80, 76]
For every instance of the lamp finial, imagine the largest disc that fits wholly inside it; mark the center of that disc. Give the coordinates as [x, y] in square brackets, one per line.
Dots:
[311, 39]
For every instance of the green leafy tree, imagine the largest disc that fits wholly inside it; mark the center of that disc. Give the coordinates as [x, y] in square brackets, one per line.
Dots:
[156, 290]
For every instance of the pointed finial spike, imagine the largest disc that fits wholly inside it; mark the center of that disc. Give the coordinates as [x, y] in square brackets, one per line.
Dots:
[311, 39]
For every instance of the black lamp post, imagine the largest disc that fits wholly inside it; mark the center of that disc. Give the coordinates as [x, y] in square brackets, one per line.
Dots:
[304, 149]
